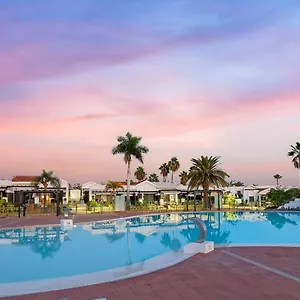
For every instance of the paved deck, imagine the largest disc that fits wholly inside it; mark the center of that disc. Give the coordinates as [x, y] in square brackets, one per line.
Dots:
[258, 273]
[217, 275]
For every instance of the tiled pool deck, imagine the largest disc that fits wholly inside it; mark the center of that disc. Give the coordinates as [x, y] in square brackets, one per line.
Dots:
[258, 273]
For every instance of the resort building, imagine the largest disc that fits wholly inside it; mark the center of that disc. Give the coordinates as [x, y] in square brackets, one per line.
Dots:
[151, 193]
[23, 187]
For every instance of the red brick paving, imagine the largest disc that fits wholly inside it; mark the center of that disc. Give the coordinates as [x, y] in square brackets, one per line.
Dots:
[203, 277]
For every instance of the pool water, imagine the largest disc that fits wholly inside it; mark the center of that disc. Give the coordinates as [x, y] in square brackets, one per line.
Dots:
[29, 254]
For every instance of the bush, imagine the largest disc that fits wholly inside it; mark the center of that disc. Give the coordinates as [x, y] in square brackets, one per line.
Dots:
[92, 204]
[279, 197]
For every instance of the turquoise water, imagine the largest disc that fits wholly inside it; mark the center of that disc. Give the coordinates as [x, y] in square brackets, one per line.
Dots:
[50, 252]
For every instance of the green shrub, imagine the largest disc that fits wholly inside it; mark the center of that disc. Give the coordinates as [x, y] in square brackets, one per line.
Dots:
[92, 204]
[279, 197]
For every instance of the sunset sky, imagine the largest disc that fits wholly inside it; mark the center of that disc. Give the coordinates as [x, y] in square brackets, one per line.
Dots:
[192, 78]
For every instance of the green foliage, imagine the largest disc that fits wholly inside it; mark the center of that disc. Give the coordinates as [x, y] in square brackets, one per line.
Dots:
[236, 183]
[174, 165]
[229, 199]
[184, 177]
[140, 173]
[293, 193]
[2, 202]
[164, 171]
[130, 146]
[205, 172]
[295, 154]
[280, 197]
[47, 178]
[153, 177]
[92, 204]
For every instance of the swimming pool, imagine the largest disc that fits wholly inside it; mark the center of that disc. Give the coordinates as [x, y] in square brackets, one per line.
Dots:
[42, 257]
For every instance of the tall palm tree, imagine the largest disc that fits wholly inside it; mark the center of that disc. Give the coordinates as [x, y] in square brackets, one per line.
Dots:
[46, 179]
[153, 177]
[140, 173]
[130, 147]
[164, 171]
[277, 177]
[295, 154]
[205, 172]
[184, 177]
[113, 186]
[174, 165]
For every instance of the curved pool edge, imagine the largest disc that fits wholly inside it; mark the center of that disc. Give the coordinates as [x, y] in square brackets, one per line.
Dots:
[141, 268]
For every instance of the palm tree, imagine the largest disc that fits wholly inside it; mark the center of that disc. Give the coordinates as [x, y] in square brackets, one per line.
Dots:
[46, 179]
[113, 186]
[174, 165]
[164, 171]
[153, 177]
[184, 177]
[140, 173]
[130, 147]
[277, 177]
[205, 172]
[295, 154]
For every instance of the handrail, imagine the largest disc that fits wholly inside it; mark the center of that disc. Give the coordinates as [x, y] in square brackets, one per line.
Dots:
[201, 226]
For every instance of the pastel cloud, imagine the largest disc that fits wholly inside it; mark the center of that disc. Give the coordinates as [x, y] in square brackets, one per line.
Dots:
[190, 77]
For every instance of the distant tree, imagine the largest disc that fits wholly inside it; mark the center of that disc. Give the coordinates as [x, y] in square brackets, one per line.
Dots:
[140, 173]
[205, 172]
[293, 193]
[278, 197]
[130, 147]
[174, 165]
[236, 183]
[164, 171]
[277, 177]
[113, 187]
[46, 179]
[184, 177]
[153, 177]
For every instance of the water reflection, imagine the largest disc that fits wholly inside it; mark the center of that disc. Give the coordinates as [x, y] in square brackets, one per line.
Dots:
[279, 220]
[45, 241]
[166, 230]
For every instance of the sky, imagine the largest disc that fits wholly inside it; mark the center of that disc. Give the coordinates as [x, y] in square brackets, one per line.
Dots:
[191, 77]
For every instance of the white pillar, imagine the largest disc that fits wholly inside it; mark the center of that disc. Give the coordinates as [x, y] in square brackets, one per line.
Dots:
[90, 194]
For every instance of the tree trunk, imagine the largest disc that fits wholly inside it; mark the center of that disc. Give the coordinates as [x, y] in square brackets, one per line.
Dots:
[172, 177]
[57, 204]
[205, 191]
[277, 181]
[128, 187]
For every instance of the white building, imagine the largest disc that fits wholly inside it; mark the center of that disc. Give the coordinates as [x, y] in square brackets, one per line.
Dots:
[150, 192]
[10, 190]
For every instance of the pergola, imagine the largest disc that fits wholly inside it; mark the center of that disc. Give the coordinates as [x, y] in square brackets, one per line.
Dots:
[22, 193]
